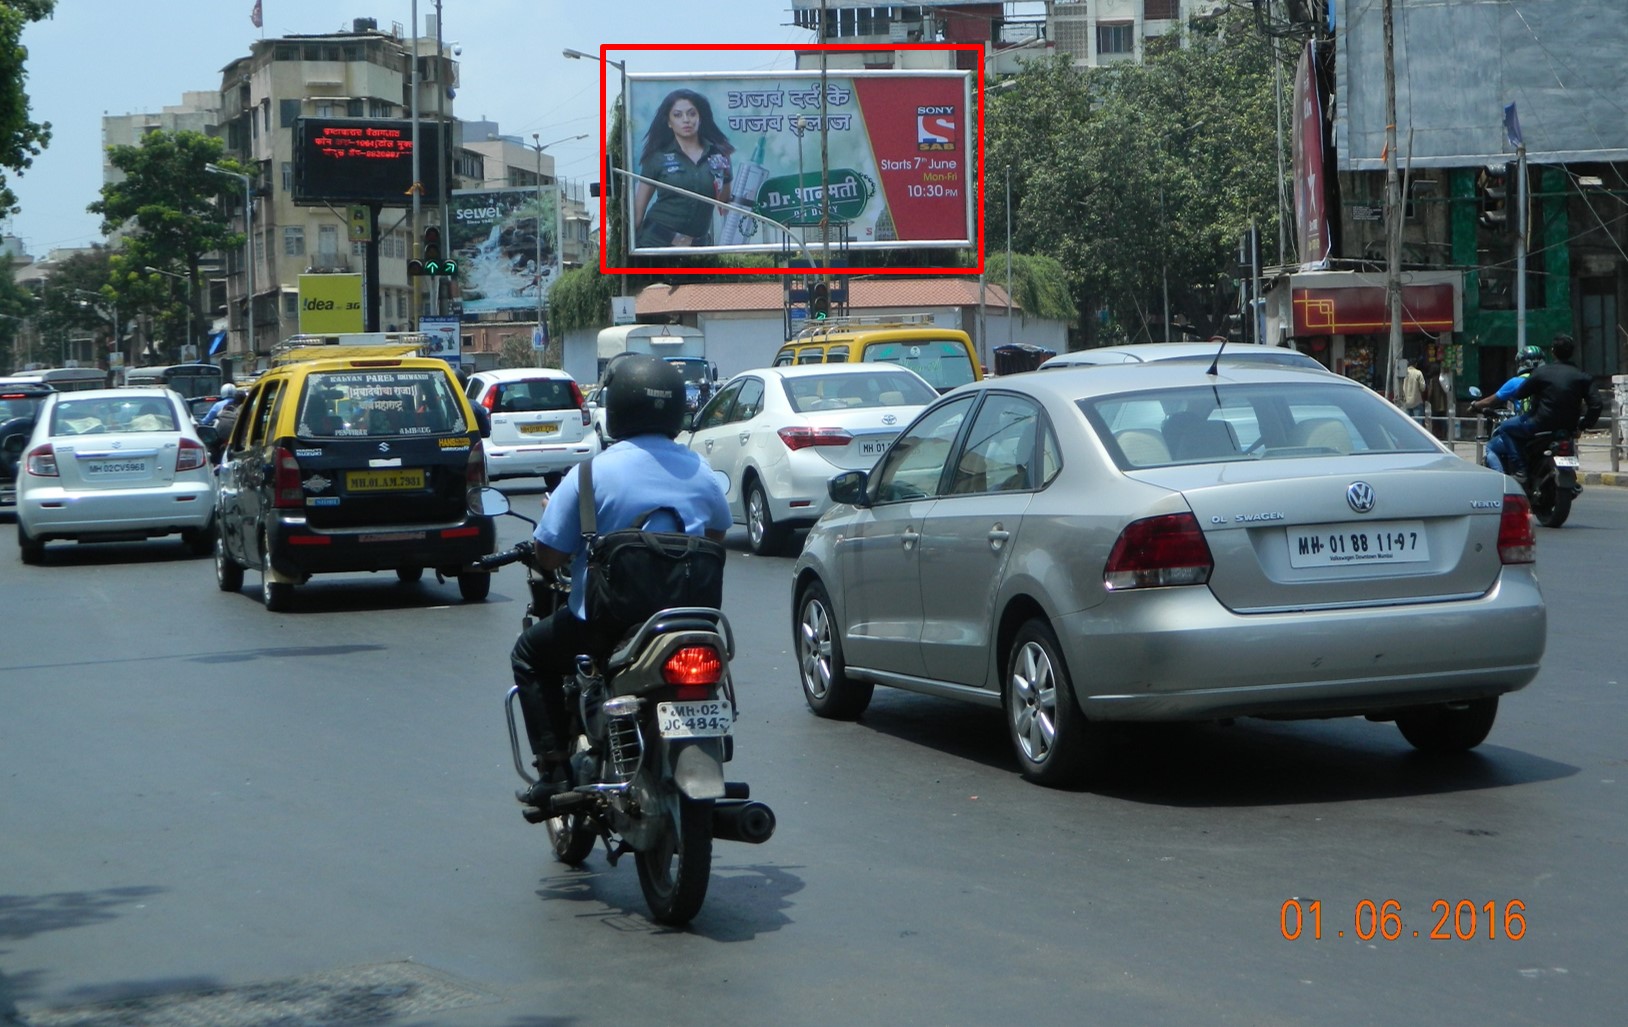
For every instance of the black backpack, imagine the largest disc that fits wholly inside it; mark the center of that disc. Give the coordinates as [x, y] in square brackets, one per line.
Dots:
[634, 573]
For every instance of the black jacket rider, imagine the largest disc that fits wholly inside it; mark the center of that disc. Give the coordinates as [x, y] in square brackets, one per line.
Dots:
[1560, 394]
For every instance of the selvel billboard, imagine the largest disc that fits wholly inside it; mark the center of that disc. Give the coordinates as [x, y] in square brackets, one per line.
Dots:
[898, 146]
[498, 236]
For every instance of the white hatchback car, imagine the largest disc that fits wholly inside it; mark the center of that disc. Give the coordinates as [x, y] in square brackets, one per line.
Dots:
[778, 434]
[540, 423]
[114, 465]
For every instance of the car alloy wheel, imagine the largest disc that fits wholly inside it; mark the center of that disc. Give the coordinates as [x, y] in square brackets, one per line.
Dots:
[826, 685]
[1055, 744]
[765, 537]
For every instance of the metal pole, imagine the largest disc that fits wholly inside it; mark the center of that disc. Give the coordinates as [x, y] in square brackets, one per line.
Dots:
[443, 150]
[248, 246]
[825, 149]
[1009, 255]
[537, 269]
[1393, 214]
[1521, 228]
[418, 189]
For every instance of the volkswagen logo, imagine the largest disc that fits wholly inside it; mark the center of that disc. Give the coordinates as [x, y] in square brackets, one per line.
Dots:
[1360, 495]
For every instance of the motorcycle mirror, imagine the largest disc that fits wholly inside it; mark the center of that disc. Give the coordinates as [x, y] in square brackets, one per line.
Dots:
[487, 502]
[1475, 392]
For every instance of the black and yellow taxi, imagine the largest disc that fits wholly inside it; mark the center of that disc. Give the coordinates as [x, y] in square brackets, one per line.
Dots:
[351, 461]
[944, 357]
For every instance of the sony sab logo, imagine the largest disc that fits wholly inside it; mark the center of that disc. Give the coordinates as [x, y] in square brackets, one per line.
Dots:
[935, 128]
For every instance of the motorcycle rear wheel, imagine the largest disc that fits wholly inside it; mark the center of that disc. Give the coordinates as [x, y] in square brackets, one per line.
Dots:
[1551, 501]
[572, 837]
[674, 873]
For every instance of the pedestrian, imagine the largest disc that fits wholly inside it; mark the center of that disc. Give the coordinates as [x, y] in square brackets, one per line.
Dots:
[1412, 395]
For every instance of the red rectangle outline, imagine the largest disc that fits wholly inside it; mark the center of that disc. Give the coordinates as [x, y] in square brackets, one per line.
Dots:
[606, 49]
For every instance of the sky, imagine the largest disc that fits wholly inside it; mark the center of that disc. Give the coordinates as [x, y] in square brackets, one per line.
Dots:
[99, 57]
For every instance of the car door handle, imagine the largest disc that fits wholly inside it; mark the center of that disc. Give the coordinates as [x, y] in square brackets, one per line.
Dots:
[998, 537]
[909, 538]
[709, 445]
[745, 437]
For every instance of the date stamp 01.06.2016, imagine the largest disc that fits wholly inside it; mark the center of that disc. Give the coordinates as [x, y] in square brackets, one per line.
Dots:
[1385, 920]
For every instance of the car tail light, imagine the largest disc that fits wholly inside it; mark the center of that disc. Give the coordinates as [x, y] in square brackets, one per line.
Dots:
[489, 401]
[475, 467]
[191, 457]
[693, 665]
[582, 404]
[42, 462]
[1158, 551]
[1516, 543]
[286, 492]
[801, 437]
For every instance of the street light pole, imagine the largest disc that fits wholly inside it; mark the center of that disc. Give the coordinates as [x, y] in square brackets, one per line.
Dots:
[114, 305]
[248, 243]
[537, 266]
[191, 314]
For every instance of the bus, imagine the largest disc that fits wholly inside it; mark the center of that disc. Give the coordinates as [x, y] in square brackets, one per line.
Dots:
[62, 379]
[193, 381]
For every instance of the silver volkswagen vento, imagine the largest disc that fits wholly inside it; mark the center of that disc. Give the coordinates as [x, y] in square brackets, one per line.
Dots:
[1153, 542]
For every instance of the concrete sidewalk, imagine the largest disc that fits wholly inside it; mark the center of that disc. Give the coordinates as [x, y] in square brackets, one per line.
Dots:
[1593, 457]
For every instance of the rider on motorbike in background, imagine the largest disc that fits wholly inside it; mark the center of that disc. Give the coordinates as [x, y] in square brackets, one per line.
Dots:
[1556, 396]
[644, 470]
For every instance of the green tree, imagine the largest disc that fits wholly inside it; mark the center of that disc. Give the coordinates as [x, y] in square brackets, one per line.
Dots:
[77, 301]
[167, 205]
[1139, 176]
[21, 140]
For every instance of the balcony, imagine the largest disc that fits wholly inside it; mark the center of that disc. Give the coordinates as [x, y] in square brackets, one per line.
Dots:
[329, 263]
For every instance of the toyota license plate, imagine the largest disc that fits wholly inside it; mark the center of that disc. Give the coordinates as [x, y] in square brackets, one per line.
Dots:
[384, 481]
[707, 719]
[874, 447]
[1335, 545]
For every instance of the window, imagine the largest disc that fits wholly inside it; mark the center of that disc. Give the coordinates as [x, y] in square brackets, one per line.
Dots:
[379, 108]
[288, 111]
[355, 108]
[1161, 10]
[328, 242]
[717, 412]
[325, 108]
[294, 241]
[1115, 38]
[914, 466]
[288, 176]
[750, 401]
[999, 454]
[291, 305]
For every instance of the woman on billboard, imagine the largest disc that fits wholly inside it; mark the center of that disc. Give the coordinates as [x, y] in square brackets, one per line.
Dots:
[683, 147]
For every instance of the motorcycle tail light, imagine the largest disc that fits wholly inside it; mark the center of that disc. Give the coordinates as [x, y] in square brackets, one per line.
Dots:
[42, 462]
[1565, 447]
[693, 665]
[1516, 542]
[286, 492]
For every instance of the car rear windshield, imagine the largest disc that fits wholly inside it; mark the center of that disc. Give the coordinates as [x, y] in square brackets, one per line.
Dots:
[856, 391]
[1208, 424]
[944, 363]
[534, 394]
[98, 416]
[409, 401]
[19, 405]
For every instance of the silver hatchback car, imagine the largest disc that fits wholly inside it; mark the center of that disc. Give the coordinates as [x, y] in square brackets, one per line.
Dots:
[1151, 542]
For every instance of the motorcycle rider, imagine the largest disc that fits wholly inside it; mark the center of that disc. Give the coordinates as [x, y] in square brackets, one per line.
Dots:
[645, 469]
[1560, 396]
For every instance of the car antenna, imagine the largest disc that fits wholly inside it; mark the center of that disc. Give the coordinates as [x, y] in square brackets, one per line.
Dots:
[1217, 361]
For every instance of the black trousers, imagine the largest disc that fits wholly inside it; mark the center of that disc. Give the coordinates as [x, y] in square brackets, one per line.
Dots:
[543, 656]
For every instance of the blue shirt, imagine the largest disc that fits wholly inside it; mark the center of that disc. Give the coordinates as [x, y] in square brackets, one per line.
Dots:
[214, 411]
[633, 476]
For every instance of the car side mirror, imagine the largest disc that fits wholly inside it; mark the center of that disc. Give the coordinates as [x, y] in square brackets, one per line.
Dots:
[209, 435]
[487, 502]
[848, 488]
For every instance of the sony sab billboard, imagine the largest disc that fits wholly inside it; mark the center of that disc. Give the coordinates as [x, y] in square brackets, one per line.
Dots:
[899, 169]
[364, 160]
[507, 245]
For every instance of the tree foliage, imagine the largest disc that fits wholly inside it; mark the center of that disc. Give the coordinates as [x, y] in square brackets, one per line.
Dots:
[21, 139]
[167, 204]
[1138, 176]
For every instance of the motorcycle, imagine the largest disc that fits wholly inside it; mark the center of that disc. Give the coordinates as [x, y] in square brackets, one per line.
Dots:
[1551, 467]
[649, 730]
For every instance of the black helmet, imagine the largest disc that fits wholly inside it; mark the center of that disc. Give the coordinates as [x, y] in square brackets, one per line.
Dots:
[643, 395]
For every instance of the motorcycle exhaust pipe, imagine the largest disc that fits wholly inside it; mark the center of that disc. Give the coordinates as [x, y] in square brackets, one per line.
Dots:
[749, 822]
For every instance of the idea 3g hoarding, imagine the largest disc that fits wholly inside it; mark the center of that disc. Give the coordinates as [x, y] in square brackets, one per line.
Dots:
[888, 153]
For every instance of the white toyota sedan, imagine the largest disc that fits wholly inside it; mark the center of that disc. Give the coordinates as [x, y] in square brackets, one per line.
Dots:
[114, 465]
[778, 434]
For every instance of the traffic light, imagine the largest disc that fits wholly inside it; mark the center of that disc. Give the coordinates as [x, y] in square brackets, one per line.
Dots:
[431, 263]
[819, 301]
[1492, 186]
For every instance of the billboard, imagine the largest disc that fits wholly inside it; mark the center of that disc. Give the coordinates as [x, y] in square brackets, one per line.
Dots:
[330, 304]
[364, 160]
[900, 145]
[506, 242]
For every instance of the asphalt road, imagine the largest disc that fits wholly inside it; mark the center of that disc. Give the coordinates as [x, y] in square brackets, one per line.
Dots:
[210, 814]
